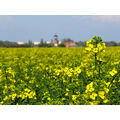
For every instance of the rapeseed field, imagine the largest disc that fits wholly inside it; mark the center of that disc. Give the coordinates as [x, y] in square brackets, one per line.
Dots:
[60, 76]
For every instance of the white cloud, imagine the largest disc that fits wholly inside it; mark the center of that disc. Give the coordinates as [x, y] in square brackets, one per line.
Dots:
[100, 18]
[107, 18]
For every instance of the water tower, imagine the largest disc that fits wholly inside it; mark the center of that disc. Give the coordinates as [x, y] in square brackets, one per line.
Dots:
[55, 40]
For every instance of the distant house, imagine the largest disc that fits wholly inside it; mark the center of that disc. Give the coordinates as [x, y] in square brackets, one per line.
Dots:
[70, 44]
[59, 42]
[20, 43]
[36, 43]
[48, 42]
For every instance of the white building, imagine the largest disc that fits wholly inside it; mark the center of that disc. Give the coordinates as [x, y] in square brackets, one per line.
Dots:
[59, 42]
[48, 42]
[36, 43]
[20, 43]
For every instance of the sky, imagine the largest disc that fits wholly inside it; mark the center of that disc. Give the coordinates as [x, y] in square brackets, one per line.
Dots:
[21, 28]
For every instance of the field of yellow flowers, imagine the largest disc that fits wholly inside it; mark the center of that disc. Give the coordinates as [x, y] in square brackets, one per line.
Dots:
[60, 76]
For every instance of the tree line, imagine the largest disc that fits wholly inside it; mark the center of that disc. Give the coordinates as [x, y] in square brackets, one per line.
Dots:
[51, 44]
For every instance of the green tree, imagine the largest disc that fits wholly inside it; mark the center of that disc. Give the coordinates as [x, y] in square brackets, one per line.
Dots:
[1, 43]
[30, 43]
[67, 40]
[61, 45]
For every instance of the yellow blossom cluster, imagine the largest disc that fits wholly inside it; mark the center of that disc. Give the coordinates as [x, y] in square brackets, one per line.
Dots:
[60, 76]
[94, 47]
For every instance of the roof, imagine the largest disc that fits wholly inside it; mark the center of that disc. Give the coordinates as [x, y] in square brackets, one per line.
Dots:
[36, 43]
[69, 43]
[55, 35]
[20, 43]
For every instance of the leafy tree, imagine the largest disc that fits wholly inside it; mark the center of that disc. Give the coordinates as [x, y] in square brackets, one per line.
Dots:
[81, 44]
[61, 45]
[67, 40]
[30, 43]
[1, 43]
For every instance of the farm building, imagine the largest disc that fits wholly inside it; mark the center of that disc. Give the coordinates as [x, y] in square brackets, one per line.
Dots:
[36, 43]
[70, 44]
[20, 43]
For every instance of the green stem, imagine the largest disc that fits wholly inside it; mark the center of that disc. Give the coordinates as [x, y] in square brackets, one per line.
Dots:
[99, 69]
[95, 60]
[114, 78]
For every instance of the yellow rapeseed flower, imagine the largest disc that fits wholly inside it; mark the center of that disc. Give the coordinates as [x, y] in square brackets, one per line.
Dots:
[106, 90]
[93, 96]
[105, 100]
[101, 94]
[5, 98]
[63, 99]
[74, 97]
[1, 103]
[48, 98]
[66, 94]
[113, 72]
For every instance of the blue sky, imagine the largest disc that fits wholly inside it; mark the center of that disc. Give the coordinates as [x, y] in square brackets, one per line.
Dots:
[77, 27]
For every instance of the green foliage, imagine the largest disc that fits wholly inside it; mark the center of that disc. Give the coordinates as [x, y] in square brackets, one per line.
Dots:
[67, 40]
[61, 45]
[60, 76]
[1, 43]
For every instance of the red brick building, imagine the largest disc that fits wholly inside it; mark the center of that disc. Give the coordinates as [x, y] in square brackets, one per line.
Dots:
[70, 44]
